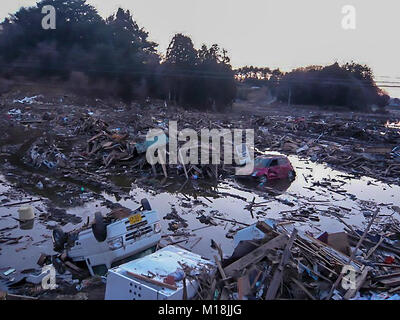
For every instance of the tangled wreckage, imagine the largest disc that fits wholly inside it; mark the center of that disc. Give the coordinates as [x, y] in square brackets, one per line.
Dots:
[272, 259]
[122, 234]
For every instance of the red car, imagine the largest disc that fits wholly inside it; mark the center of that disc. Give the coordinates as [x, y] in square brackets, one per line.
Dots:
[273, 167]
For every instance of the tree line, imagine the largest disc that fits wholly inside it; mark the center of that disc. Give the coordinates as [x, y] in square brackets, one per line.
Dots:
[115, 52]
[114, 56]
[350, 85]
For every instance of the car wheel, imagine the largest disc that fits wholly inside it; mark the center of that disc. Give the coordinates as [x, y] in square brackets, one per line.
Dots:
[291, 175]
[99, 227]
[145, 204]
[59, 239]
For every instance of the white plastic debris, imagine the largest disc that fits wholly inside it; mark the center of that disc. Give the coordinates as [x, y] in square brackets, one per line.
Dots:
[28, 100]
[303, 148]
[9, 271]
[14, 111]
[26, 213]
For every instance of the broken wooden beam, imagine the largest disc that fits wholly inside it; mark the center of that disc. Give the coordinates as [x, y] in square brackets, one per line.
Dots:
[277, 277]
[256, 255]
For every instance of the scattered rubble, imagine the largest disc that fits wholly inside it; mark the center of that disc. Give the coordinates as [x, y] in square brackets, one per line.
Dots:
[273, 260]
[76, 152]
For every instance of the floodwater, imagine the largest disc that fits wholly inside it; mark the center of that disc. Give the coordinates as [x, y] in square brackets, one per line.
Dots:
[316, 188]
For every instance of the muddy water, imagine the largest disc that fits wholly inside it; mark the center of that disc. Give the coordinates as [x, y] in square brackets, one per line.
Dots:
[228, 199]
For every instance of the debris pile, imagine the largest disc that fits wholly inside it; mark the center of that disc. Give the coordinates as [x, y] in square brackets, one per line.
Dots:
[273, 260]
[112, 146]
[92, 145]
[360, 146]
[45, 154]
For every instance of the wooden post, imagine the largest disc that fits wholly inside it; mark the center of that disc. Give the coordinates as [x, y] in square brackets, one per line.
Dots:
[277, 277]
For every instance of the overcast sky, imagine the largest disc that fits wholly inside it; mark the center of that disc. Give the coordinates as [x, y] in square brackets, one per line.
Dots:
[273, 33]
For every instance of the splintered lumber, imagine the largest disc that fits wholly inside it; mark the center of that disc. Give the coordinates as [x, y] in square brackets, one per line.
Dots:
[224, 277]
[185, 294]
[210, 295]
[72, 266]
[219, 251]
[381, 246]
[353, 254]
[396, 266]
[265, 228]
[387, 276]
[233, 221]
[394, 289]
[277, 277]
[372, 250]
[10, 296]
[302, 287]
[221, 270]
[22, 202]
[256, 279]
[391, 282]
[256, 255]
[243, 285]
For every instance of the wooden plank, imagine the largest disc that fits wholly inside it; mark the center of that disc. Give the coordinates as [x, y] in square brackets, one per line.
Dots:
[265, 228]
[22, 202]
[394, 289]
[184, 294]
[256, 255]
[256, 279]
[219, 249]
[372, 250]
[240, 288]
[396, 266]
[10, 296]
[73, 267]
[233, 221]
[391, 282]
[382, 246]
[243, 285]
[221, 270]
[387, 276]
[353, 254]
[277, 277]
[212, 290]
[302, 287]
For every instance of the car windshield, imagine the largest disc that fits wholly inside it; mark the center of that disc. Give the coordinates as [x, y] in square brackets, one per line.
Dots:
[262, 162]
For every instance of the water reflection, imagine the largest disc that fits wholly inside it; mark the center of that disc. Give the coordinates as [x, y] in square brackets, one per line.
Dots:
[277, 186]
[317, 188]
